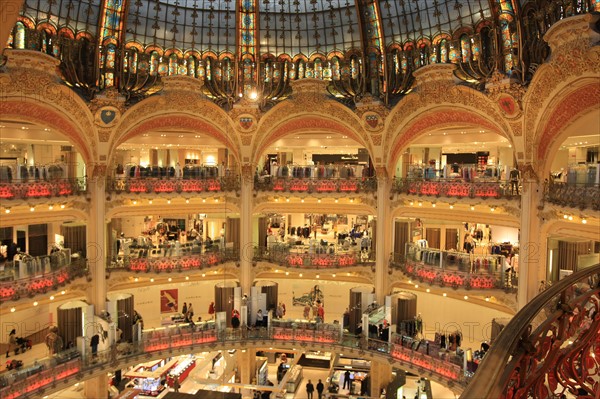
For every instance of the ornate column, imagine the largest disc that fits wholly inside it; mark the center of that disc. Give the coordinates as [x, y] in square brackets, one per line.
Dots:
[246, 363]
[96, 255]
[384, 234]
[246, 244]
[531, 243]
[96, 237]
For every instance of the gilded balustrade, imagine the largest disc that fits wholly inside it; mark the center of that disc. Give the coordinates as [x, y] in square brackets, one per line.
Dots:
[316, 185]
[550, 348]
[33, 189]
[152, 185]
[582, 196]
[455, 188]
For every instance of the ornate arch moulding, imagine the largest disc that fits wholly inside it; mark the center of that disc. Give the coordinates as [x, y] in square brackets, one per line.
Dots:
[574, 105]
[573, 53]
[309, 108]
[441, 117]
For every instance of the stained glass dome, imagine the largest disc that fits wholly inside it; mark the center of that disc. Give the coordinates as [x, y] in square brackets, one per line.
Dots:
[255, 47]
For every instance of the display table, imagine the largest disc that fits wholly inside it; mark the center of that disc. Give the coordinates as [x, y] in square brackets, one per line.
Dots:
[181, 371]
[294, 379]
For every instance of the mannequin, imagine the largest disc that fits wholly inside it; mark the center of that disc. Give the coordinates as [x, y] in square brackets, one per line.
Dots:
[515, 175]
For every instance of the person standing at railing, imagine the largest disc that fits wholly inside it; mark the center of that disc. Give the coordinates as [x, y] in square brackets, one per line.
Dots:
[514, 181]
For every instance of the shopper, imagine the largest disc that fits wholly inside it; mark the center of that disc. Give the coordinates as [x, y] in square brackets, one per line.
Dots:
[211, 310]
[176, 384]
[94, 344]
[12, 342]
[347, 382]
[310, 388]
[320, 389]
[184, 309]
[190, 312]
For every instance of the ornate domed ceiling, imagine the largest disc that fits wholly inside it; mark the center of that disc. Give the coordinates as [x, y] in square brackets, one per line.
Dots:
[253, 48]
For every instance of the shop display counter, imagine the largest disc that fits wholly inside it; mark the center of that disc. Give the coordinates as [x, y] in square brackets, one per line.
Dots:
[151, 376]
[181, 371]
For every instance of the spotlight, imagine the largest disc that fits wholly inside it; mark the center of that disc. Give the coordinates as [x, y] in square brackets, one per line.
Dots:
[7, 210]
[168, 201]
[62, 206]
[187, 201]
[32, 209]
[451, 206]
[570, 217]
[319, 200]
[472, 208]
[444, 294]
[134, 202]
[12, 310]
[420, 204]
[287, 200]
[336, 201]
[584, 221]
[492, 209]
[187, 277]
[302, 200]
[565, 216]
[466, 297]
[433, 205]
[150, 202]
[35, 303]
[151, 280]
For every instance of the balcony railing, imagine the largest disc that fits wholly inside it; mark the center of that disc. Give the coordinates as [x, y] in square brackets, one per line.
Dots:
[169, 261]
[318, 258]
[550, 349]
[316, 185]
[152, 185]
[44, 375]
[453, 188]
[582, 196]
[457, 270]
[32, 286]
[42, 188]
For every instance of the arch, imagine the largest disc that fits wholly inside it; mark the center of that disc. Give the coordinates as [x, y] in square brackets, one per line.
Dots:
[501, 219]
[48, 115]
[571, 230]
[120, 211]
[174, 110]
[287, 118]
[569, 110]
[439, 117]
[25, 218]
[269, 207]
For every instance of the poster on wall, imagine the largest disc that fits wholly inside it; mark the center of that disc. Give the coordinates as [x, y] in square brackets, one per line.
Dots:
[168, 301]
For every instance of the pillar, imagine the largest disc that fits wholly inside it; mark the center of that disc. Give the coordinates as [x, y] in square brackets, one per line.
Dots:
[246, 244]
[383, 246]
[530, 241]
[97, 387]
[246, 364]
[381, 376]
[96, 239]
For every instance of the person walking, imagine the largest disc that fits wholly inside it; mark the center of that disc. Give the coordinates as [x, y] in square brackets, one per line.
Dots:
[310, 388]
[176, 384]
[320, 389]
[12, 342]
